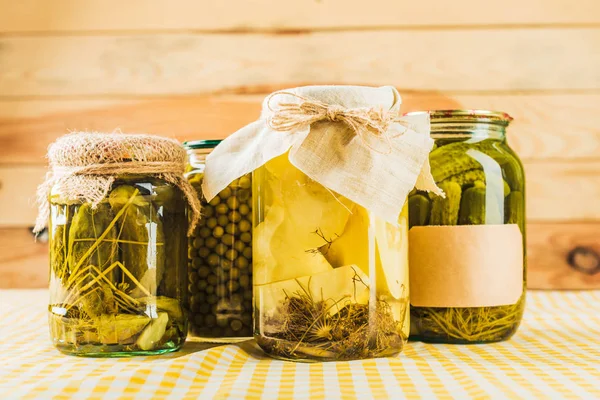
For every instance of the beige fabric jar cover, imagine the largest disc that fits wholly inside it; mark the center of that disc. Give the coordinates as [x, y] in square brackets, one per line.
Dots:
[83, 167]
[350, 139]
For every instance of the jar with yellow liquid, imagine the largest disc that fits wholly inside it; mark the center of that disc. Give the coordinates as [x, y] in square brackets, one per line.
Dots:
[330, 278]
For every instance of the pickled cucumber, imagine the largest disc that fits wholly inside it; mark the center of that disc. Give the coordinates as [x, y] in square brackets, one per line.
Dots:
[451, 160]
[444, 210]
[141, 225]
[513, 213]
[419, 208]
[472, 208]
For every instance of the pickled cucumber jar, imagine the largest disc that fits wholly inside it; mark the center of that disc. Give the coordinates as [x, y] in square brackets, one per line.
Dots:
[330, 278]
[220, 257]
[467, 254]
[117, 245]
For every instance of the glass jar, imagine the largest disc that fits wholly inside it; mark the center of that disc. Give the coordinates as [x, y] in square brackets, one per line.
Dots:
[330, 278]
[469, 286]
[117, 271]
[220, 257]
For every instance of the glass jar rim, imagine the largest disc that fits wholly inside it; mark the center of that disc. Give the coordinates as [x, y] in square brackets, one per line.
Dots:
[466, 116]
[201, 144]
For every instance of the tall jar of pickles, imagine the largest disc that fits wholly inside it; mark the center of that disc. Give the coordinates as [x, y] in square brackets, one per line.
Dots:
[467, 253]
[330, 277]
[220, 256]
[117, 226]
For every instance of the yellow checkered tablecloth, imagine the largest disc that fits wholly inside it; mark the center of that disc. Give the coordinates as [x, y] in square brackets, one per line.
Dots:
[555, 354]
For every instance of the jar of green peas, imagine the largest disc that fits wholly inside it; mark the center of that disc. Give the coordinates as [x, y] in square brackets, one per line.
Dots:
[220, 257]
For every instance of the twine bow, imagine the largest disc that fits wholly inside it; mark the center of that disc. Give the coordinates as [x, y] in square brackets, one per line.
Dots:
[364, 121]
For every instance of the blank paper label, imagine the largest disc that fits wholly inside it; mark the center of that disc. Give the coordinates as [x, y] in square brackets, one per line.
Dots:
[465, 265]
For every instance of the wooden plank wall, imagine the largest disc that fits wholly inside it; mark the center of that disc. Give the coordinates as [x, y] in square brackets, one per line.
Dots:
[199, 69]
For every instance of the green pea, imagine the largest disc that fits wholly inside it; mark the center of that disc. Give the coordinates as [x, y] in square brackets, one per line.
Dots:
[245, 225]
[209, 289]
[211, 223]
[233, 286]
[216, 200]
[244, 281]
[218, 231]
[243, 195]
[246, 237]
[248, 295]
[226, 264]
[231, 254]
[247, 252]
[236, 325]
[212, 299]
[191, 251]
[202, 284]
[196, 262]
[198, 298]
[208, 211]
[211, 242]
[230, 228]
[241, 262]
[245, 182]
[221, 249]
[213, 260]
[198, 242]
[244, 209]
[222, 209]
[205, 232]
[192, 289]
[228, 239]
[221, 290]
[223, 220]
[203, 307]
[236, 299]
[233, 203]
[203, 252]
[239, 246]
[203, 272]
[225, 193]
[199, 319]
[193, 277]
[210, 320]
[234, 273]
[212, 279]
[234, 216]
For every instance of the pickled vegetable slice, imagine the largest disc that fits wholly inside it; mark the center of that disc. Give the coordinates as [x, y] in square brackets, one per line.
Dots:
[153, 332]
[392, 255]
[314, 215]
[280, 246]
[113, 329]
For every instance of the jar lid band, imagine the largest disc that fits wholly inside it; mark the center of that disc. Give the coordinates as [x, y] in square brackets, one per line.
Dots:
[467, 116]
[201, 144]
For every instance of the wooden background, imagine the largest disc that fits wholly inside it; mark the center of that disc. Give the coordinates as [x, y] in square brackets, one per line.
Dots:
[198, 69]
